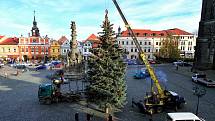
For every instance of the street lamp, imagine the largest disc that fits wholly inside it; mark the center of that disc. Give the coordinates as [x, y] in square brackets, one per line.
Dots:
[199, 93]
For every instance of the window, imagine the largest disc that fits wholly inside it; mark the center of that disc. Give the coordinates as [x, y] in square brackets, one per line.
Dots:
[126, 42]
[119, 42]
[2, 49]
[26, 49]
[131, 49]
[144, 50]
[58, 50]
[145, 43]
[162, 34]
[135, 50]
[138, 34]
[149, 50]
[88, 44]
[140, 43]
[32, 49]
[149, 43]
[53, 50]
[14, 50]
[132, 43]
[122, 42]
[156, 50]
[85, 44]
[159, 43]
[145, 34]
[128, 34]
[42, 49]
[22, 49]
[156, 43]
[46, 49]
[36, 49]
[34, 40]
[64, 50]
[153, 34]
[85, 50]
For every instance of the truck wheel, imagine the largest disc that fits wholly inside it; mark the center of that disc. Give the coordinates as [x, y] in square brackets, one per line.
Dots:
[48, 101]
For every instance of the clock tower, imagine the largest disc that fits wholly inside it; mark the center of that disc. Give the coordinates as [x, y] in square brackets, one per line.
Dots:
[35, 30]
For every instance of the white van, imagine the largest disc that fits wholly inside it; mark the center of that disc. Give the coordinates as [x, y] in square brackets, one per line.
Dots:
[182, 116]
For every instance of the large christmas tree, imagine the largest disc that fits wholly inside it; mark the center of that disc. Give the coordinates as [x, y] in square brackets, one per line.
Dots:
[107, 71]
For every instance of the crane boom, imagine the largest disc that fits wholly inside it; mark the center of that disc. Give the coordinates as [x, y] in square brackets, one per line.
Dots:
[141, 53]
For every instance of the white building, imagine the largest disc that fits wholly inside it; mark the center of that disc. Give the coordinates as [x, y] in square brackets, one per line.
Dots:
[91, 42]
[65, 45]
[150, 42]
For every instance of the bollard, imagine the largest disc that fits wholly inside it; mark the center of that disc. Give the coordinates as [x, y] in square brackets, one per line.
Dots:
[110, 118]
[76, 116]
[88, 117]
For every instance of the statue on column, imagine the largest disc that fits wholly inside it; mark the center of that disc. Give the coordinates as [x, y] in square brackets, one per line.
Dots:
[73, 56]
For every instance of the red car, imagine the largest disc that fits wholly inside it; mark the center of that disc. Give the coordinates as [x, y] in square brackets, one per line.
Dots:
[152, 61]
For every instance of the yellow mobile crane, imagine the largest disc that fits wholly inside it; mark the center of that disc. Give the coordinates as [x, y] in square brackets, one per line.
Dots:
[156, 101]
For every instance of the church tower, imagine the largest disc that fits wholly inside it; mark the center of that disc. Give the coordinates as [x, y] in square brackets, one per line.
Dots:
[35, 30]
[205, 44]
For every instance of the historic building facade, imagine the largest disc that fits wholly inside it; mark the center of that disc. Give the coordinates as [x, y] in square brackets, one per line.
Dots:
[64, 45]
[150, 42]
[91, 42]
[205, 52]
[34, 47]
[9, 47]
[55, 50]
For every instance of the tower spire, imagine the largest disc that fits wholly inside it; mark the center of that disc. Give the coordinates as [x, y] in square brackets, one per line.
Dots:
[35, 29]
[34, 15]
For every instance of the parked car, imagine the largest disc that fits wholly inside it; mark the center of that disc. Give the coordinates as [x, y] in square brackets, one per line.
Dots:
[20, 66]
[1, 64]
[132, 62]
[178, 62]
[141, 74]
[187, 64]
[151, 61]
[40, 67]
[201, 78]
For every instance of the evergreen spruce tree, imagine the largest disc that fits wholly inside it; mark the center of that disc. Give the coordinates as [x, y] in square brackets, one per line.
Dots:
[107, 71]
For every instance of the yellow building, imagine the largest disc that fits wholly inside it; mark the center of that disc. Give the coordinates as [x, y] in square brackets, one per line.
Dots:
[9, 47]
[55, 50]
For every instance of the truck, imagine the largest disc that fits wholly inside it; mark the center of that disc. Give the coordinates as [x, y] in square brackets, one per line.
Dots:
[158, 99]
[202, 79]
[183, 116]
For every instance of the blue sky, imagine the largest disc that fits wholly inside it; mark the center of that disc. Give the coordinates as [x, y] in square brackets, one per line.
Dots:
[54, 16]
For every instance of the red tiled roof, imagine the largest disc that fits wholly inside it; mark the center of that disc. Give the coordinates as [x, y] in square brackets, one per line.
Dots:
[10, 41]
[151, 33]
[144, 33]
[92, 38]
[62, 40]
[1, 36]
[177, 31]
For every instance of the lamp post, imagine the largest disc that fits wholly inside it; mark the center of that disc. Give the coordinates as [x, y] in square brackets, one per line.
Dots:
[199, 92]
